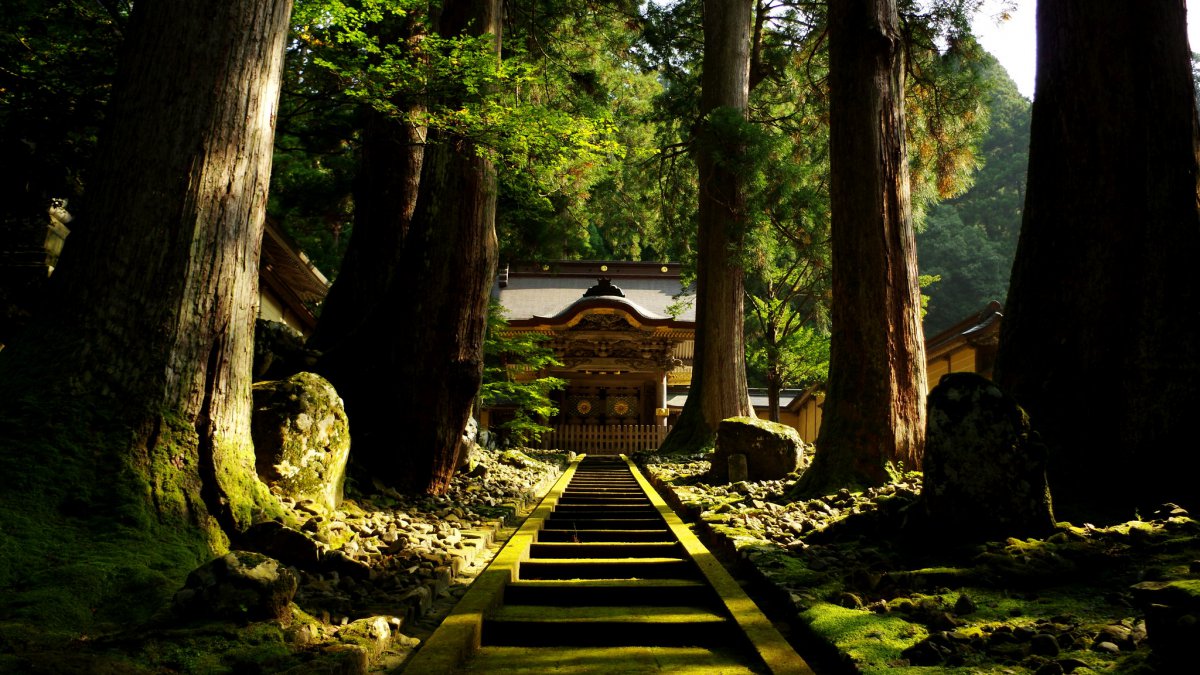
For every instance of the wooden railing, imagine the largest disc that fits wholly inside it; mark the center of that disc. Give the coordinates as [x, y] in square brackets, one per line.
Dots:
[605, 439]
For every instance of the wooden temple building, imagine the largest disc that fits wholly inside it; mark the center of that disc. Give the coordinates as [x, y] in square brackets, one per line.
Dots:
[624, 333]
[290, 287]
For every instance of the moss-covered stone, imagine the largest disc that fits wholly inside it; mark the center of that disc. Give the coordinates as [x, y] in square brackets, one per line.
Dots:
[301, 438]
[373, 634]
[985, 471]
[771, 451]
[239, 586]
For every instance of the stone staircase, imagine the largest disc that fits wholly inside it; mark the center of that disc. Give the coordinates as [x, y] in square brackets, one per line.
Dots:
[607, 582]
[604, 578]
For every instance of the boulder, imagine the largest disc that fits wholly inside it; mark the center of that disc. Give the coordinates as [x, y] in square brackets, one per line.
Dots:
[772, 451]
[985, 469]
[239, 586]
[289, 546]
[1172, 619]
[471, 449]
[373, 634]
[301, 438]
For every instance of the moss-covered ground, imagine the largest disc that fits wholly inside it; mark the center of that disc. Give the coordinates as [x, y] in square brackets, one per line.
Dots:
[95, 542]
[853, 576]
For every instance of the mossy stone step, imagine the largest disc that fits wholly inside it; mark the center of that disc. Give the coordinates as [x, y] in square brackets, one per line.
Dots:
[595, 491]
[536, 625]
[595, 497]
[603, 535]
[607, 568]
[580, 592]
[608, 507]
[632, 660]
[575, 522]
[607, 549]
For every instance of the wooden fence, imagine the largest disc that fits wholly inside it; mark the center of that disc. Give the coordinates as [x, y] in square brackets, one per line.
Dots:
[605, 439]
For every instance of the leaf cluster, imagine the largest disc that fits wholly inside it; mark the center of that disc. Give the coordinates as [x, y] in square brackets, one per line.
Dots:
[970, 241]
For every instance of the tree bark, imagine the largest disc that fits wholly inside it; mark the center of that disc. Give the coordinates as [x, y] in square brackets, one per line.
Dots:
[385, 196]
[384, 200]
[875, 408]
[718, 388]
[408, 427]
[151, 327]
[1099, 335]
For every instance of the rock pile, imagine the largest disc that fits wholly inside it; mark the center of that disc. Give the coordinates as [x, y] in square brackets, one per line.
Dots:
[357, 575]
[1068, 602]
[401, 552]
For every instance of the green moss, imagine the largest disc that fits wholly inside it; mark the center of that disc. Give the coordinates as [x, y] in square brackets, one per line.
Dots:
[873, 641]
[218, 648]
[790, 571]
[99, 525]
[774, 428]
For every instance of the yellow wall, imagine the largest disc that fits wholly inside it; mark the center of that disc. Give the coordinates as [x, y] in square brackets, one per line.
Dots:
[271, 309]
[808, 419]
[785, 417]
[961, 360]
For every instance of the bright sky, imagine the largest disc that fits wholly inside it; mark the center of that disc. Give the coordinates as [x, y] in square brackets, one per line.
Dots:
[1012, 42]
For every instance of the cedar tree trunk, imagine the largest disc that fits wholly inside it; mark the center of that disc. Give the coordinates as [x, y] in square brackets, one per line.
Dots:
[1099, 340]
[410, 425]
[718, 389]
[150, 333]
[875, 408]
[385, 196]
[384, 199]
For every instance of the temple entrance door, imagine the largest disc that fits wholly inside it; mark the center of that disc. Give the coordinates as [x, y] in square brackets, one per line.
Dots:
[602, 404]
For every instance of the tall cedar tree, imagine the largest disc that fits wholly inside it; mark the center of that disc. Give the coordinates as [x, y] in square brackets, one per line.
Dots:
[151, 329]
[409, 404]
[1099, 335]
[718, 387]
[875, 408]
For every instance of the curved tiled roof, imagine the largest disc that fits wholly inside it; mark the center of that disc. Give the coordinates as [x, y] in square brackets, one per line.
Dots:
[540, 293]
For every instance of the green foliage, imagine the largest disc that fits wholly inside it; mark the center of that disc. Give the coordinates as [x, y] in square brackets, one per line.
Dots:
[944, 107]
[316, 152]
[970, 241]
[786, 160]
[512, 363]
[601, 203]
[551, 114]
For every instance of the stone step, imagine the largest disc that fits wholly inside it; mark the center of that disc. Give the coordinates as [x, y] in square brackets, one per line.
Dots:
[613, 508]
[582, 592]
[577, 522]
[540, 625]
[607, 568]
[613, 497]
[631, 660]
[586, 535]
[606, 549]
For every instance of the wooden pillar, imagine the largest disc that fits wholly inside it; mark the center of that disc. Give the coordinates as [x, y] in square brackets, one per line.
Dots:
[660, 401]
